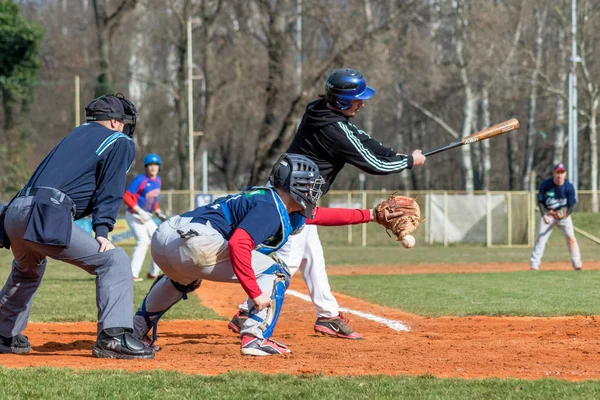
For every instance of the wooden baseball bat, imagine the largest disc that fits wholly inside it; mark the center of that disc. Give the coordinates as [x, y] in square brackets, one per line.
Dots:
[483, 134]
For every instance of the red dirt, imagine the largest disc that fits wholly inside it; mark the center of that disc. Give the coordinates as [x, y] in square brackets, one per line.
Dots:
[476, 347]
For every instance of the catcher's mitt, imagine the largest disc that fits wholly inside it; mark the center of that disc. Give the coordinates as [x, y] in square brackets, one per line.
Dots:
[401, 225]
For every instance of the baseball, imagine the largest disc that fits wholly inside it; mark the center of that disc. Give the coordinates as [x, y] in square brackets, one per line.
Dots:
[408, 241]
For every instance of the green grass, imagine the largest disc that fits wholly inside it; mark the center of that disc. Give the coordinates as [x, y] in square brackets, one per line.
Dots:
[46, 383]
[68, 294]
[527, 293]
[456, 254]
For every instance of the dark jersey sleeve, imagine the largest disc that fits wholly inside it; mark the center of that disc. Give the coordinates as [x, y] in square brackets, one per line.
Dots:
[365, 153]
[111, 181]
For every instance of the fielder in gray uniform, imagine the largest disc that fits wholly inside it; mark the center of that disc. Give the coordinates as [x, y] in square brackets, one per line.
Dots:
[84, 174]
[556, 198]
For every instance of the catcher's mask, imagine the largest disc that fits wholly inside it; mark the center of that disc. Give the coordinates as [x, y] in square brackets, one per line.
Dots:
[107, 107]
[299, 176]
[344, 85]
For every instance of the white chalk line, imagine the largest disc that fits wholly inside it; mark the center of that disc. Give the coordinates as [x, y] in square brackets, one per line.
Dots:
[390, 323]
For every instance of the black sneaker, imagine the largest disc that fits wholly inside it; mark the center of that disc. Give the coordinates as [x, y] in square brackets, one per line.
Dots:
[16, 344]
[237, 321]
[119, 343]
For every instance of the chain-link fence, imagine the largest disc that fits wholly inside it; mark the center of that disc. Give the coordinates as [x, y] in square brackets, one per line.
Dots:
[450, 217]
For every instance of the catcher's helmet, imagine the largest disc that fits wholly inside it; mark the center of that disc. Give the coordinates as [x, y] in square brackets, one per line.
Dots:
[344, 85]
[299, 176]
[109, 107]
[152, 159]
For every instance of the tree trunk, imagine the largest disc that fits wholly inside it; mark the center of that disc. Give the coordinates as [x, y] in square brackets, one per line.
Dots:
[559, 129]
[181, 113]
[533, 83]
[469, 101]
[476, 150]
[594, 153]
[486, 121]
[403, 176]
[105, 26]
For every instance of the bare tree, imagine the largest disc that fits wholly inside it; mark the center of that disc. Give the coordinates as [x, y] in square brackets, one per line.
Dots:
[107, 22]
[540, 19]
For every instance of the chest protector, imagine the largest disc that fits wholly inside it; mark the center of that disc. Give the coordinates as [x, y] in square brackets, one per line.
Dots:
[288, 224]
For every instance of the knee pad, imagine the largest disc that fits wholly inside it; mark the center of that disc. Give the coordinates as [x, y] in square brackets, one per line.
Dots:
[280, 285]
[185, 289]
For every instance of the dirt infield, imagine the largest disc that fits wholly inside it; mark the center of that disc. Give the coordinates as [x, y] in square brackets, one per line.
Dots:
[567, 348]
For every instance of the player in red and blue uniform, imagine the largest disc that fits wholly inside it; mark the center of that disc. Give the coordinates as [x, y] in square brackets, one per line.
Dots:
[141, 198]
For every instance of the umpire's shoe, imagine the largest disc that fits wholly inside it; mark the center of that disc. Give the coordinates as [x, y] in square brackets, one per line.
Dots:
[336, 327]
[119, 343]
[16, 344]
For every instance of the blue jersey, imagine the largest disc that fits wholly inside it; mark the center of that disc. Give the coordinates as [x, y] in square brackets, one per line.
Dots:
[555, 197]
[90, 166]
[257, 210]
[144, 192]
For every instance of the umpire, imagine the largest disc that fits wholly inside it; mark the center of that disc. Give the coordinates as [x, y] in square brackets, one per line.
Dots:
[84, 174]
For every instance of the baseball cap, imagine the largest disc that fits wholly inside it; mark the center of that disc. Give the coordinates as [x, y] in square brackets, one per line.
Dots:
[559, 167]
[109, 106]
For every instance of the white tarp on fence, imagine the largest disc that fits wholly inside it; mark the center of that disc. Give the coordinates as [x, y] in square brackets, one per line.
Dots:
[464, 218]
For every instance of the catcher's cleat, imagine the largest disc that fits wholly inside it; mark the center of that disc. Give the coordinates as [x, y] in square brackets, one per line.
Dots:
[253, 346]
[15, 344]
[580, 268]
[237, 321]
[336, 327]
[119, 343]
[136, 279]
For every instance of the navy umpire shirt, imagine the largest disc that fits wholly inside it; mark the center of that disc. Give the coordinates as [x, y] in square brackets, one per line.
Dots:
[90, 166]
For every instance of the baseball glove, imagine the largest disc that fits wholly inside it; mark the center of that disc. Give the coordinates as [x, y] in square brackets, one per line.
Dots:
[407, 215]
[561, 213]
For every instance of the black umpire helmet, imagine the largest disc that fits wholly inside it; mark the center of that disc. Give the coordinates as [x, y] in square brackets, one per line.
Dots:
[299, 176]
[107, 107]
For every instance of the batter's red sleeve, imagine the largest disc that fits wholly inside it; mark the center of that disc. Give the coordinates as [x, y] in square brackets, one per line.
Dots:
[240, 254]
[339, 216]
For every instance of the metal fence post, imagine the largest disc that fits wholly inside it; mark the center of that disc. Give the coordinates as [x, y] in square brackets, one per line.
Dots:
[364, 226]
[488, 219]
[445, 219]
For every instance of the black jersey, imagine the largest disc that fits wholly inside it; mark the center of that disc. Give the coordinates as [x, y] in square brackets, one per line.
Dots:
[331, 140]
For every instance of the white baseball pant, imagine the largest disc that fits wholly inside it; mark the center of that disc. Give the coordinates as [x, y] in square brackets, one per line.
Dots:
[143, 233]
[544, 231]
[304, 251]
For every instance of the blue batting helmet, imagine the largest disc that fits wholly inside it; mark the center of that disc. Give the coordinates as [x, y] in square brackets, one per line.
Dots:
[152, 159]
[344, 85]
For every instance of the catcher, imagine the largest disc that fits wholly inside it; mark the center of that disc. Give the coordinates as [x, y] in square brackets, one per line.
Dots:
[230, 240]
[556, 198]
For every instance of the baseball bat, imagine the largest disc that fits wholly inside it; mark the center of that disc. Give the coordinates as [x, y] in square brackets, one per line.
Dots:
[483, 134]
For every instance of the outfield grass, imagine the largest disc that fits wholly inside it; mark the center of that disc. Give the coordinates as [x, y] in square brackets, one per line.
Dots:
[68, 294]
[47, 383]
[526, 293]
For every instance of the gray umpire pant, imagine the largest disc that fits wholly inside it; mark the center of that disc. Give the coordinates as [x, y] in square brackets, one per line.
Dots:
[114, 283]
[544, 231]
[189, 261]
